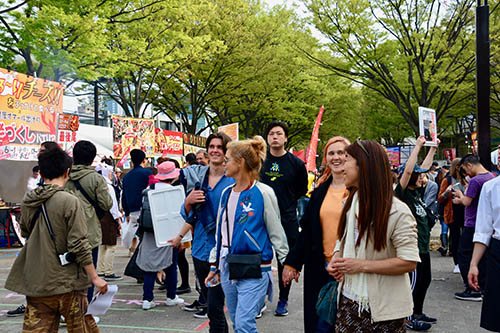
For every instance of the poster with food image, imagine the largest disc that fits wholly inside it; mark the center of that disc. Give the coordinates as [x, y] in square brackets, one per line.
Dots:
[132, 133]
[428, 125]
[168, 142]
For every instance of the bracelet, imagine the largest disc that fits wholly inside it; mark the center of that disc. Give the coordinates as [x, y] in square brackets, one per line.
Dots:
[213, 269]
[181, 236]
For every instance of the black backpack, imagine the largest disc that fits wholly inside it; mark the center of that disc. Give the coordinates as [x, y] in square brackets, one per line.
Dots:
[145, 219]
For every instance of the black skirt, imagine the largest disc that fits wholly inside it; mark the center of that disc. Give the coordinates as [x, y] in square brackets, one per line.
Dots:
[490, 313]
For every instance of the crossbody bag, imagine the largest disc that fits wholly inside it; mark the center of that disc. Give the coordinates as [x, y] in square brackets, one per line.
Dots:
[241, 266]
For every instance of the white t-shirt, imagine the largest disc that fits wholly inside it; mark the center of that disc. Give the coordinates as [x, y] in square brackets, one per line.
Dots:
[232, 203]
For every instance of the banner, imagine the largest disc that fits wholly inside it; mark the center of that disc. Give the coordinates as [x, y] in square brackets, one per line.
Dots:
[393, 153]
[132, 133]
[28, 114]
[168, 142]
[301, 154]
[194, 140]
[232, 130]
[450, 154]
[474, 142]
[190, 149]
[313, 145]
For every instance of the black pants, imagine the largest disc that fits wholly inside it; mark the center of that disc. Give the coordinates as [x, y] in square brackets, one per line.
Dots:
[421, 280]
[183, 268]
[291, 236]
[465, 256]
[455, 232]
[490, 313]
[214, 297]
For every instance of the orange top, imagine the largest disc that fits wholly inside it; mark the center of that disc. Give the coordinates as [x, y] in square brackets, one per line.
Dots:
[329, 217]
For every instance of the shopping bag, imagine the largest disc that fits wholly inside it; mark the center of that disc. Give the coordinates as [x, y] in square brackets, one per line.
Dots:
[128, 232]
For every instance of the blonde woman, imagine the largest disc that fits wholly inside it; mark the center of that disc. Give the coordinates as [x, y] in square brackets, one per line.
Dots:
[248, 224]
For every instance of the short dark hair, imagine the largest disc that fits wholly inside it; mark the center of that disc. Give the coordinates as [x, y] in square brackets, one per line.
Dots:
[36, 168]
[470, 158]
[137, 156]
[48, 145]
[84, 152]
[53, 163]
[219, 135]
[191, 159]
[276, 123]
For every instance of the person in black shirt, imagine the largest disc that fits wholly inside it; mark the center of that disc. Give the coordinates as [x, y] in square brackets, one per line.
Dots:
[287, 175]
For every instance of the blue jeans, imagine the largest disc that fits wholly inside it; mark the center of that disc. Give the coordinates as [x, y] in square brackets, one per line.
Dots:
[444, 226]
[90, 291]
[301, 206]
[244, 298]
[170, 280]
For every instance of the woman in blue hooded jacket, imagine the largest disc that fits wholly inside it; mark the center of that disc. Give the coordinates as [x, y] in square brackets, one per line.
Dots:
[249, 216]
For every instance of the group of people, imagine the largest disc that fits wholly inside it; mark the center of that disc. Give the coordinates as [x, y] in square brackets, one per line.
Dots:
[365, 227]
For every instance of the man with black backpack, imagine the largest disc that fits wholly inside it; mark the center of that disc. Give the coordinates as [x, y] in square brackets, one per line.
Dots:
[90, 187]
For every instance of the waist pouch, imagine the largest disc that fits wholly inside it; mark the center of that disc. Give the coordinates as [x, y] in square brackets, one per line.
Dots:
[244, 266]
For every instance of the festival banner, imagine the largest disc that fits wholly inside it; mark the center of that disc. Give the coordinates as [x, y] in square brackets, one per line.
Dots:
[190, 149]
[194, 140]
[168, 142]
[67, 128]
[393, 153]
[450, 154]
[29, 109]
[232, 130]
[300, 154]
[132, 133]
[474, 142]
[313, 145]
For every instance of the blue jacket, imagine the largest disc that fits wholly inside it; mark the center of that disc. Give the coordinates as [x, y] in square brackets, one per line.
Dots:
[134, 182]
[257, 226]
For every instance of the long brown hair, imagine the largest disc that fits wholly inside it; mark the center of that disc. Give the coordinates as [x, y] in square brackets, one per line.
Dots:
[374, 192]
[327, 173]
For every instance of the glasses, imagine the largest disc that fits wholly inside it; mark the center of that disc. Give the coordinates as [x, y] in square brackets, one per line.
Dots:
[358, 141]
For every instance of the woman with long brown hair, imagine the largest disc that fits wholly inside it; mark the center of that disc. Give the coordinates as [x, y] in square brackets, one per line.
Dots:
[316, 241]
[377, 246]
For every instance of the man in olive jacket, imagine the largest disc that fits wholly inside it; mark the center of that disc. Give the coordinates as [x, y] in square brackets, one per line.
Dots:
[95, 186]
[54, 288]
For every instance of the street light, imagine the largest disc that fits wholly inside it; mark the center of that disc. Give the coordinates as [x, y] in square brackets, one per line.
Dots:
[483, 82]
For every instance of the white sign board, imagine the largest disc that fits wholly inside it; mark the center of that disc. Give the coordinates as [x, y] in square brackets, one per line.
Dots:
[165, 212]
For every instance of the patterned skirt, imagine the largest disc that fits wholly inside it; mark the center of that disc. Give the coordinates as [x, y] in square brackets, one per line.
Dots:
[349, 320]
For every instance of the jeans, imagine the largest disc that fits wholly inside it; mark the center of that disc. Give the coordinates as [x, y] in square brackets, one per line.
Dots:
[244, 299]
[301, 206]
[214, 297]
[90, 291]
[170, 280]
[444, 226]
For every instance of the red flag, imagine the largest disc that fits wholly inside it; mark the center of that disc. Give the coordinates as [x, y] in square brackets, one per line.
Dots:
[311, 155]
[301, 154]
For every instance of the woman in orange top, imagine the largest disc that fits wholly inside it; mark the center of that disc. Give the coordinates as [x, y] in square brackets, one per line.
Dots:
[316, 242]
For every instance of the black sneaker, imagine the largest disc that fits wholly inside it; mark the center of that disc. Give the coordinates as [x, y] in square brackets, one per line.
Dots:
[417, 325]
[17, 312]
[183, 290]
[261, 312]
[194, 307]
[423, 317]
[201, 314]
[113, 277]
[469, 295]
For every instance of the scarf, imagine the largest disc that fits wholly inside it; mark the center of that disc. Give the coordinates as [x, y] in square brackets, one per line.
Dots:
[355, 284]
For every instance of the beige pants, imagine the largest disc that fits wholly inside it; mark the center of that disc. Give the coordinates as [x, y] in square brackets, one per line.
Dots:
[105, 259]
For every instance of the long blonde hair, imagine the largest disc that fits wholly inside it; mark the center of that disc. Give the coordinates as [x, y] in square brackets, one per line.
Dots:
[327, 173]
[253, 151]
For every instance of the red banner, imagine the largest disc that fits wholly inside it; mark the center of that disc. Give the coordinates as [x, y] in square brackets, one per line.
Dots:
[168, 142]
[311, 156]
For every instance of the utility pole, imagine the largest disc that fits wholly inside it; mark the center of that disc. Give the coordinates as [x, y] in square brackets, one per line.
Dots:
[483, 82]
[96, 103]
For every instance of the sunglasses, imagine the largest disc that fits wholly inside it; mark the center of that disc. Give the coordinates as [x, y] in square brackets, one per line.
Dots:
[358, 141]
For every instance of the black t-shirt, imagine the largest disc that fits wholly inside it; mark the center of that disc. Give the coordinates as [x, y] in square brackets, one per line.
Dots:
[287, 176]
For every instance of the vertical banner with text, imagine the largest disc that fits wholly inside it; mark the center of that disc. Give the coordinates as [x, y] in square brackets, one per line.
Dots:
[29, 108]
[313, 145]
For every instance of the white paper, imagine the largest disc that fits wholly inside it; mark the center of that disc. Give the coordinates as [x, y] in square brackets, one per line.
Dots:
[101, 303]
[165, 212]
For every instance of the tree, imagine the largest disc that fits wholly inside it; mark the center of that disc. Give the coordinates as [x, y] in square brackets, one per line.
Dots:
[412, 53]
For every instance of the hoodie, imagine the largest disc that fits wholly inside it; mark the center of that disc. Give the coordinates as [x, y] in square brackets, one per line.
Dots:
[37, 271]
[95, 186]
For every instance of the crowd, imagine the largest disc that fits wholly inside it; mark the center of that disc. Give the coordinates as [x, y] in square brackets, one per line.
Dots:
[358, 231]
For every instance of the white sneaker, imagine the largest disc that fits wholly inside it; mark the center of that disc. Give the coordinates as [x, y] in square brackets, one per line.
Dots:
[146, 305]
[456, 270]
[176, 301]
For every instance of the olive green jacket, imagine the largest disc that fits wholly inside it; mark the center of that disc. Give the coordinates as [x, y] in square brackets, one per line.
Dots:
[95, 186]
[37, 270]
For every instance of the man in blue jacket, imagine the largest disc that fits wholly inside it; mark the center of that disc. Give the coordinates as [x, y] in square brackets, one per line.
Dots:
[134, 182]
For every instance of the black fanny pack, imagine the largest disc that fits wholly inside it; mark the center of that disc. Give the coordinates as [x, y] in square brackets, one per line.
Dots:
[242, 266]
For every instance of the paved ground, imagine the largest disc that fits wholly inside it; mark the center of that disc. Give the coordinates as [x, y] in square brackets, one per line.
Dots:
[126, 315]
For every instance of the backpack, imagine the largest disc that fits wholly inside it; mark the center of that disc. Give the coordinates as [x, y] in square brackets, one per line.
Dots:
[145, 219]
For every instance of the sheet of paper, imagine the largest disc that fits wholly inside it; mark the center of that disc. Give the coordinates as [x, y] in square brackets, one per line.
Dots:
[101, 303]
